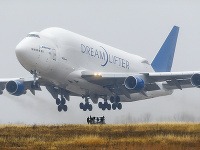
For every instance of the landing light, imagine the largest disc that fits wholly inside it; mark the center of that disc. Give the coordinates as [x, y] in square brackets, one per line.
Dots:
[97, 74]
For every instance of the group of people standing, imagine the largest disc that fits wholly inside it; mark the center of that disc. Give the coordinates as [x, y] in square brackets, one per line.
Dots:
[96, 120]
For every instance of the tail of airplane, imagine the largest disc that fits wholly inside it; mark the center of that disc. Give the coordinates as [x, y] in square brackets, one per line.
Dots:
[164, 58]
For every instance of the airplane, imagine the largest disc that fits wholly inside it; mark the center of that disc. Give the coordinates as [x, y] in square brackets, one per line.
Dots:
[69, 64]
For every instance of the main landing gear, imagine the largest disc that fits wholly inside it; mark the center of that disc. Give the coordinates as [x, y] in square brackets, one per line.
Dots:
[60, 95]
[115, 100]
[104, 105]
[61, 104]
[86, 106]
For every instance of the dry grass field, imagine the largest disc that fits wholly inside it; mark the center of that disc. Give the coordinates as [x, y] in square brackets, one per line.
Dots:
[115, 137]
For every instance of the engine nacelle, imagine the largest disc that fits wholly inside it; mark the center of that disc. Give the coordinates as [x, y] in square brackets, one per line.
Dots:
[16, 88]
[195, 80]
[134, 83]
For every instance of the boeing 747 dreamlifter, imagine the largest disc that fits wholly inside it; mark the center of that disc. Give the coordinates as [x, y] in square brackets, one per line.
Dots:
[69, 64]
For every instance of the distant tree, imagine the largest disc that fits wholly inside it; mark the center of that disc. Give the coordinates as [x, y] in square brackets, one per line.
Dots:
[184, 117]
[147, 117]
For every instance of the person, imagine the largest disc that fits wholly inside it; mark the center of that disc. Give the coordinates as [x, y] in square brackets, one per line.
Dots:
[103, 120]
[93, 119]
[88, 120]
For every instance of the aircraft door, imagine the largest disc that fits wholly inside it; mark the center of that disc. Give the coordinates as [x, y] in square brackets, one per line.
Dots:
[53, 54]
[44, 59]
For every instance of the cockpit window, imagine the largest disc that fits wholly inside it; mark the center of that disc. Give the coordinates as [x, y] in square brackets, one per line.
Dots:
[33, 35]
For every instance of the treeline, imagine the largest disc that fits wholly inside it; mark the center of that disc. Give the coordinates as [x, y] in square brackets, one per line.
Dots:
[148, 118]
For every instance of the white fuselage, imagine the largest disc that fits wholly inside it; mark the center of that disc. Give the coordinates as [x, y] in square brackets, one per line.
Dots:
[60, 56]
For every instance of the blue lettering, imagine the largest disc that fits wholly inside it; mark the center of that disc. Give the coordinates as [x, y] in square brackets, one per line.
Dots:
[115, 59]
[127, 64]
[103, 55]
[110, 61]
[123, 63]
[87, 50]
[92, 52]
[96, 54]
[119, 61]
[82, 48]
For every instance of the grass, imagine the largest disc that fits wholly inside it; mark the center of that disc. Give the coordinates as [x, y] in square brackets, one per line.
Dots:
[134, 136]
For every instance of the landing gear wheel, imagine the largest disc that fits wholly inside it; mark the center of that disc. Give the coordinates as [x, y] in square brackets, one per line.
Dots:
[60, 108]
[119, 106]
[114, 106]
[90, 107]
[81, 105]
[84, 108]
[108, 106]
[112, 99]
[100, 104]
[103, 107]
[65, 107]
[58, 101]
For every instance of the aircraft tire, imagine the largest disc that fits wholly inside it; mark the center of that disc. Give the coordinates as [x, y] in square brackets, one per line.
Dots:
[81, 105]
[84, 108]
[60, 108]
[108, 106]
[103, 107]
[65, 108]
[119, 106]
[58, 101]
[90, 107]
[100, 104]
[114, 106]
[112, 99]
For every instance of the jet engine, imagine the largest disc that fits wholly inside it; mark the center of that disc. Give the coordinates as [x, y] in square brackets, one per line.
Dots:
[16, 88]
[195, 80]
[134, 83]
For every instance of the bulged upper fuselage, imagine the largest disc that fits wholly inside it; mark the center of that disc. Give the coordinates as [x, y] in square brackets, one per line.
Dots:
[59, 56]
[76, 51]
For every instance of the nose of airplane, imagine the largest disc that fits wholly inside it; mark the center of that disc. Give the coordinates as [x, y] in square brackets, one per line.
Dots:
[22, 52]
[18, 49]
[21, 49]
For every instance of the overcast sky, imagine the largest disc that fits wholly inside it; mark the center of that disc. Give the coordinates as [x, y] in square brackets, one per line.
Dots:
[138, 27]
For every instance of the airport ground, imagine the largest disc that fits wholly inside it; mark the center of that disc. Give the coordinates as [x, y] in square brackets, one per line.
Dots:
[115, 137]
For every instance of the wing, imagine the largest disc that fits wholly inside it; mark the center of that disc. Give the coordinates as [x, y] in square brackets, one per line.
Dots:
[17, 86]
[175, 80]
[168, 80]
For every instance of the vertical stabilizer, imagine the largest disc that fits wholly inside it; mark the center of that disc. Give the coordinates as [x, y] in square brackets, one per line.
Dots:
[164, 58]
